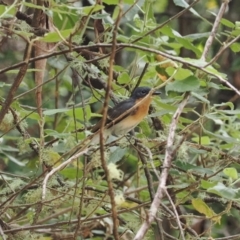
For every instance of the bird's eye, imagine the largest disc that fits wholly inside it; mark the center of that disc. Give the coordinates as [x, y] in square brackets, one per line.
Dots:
[144, 92]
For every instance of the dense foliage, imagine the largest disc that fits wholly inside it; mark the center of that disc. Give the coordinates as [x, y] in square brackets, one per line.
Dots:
[62, 63]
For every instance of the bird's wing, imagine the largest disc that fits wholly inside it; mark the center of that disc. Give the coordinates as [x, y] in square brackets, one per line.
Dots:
[115, 112]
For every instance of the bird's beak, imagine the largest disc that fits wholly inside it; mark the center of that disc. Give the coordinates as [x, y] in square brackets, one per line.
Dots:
[156, 93]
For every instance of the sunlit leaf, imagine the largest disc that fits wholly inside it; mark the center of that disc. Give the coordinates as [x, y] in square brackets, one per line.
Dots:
[235, 47]
[227, 23]
[207, 184]
[71, 173]
[123, 78]
[188, 84]
[7, 11]
[181, 73]
[204, 140]
[57, 37]
[203, 208]
[231, 172]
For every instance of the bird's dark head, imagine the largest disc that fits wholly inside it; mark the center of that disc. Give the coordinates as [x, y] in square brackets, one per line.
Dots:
[141, 92]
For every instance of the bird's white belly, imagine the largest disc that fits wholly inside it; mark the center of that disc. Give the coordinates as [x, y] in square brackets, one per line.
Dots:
[123, 127]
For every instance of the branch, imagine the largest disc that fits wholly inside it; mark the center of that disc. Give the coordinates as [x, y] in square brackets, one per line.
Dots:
[125, 45]
[224, 47]
[17, 81]
[176, 214]
[214, 29]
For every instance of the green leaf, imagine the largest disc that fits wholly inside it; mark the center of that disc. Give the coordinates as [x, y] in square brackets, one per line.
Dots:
[181, 73]
[235, 47]
[80, 113]
[166, 30]
[28, 70]
[188, 84]
[203, 208]
[66, 15]
[100, 16]
[221, 190]
[71, 173]
[188, 45]
[111, 2]
[57, 37]
[211, 69]
[207, 184]
[205, 140]
[191, 167]
[237, 24]
[231, 172]
[216, 86]
[184, 4]
[227, 23]
[115, 2]
[196, 62]
[165, 108]
[196, 36]
[227, 104]
[123, 78]
[7, 11]
[117, 154]
[230, 112]
[235, 32]
[54, 111]
[91, 9]
[214, 117]
[56, 134]
[221, 137]
[31, 5]
[129, 1]
[30, 115]
[200, 97]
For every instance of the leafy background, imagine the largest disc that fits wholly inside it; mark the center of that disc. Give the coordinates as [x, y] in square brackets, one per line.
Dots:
[158, 44]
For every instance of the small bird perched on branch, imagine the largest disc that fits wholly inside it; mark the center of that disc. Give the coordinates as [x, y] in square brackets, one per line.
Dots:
[126, 115]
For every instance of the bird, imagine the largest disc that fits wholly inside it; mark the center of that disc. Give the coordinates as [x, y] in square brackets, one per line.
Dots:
[126, 115]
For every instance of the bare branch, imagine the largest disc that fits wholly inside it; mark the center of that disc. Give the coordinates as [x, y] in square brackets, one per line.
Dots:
[17, 82]
[214, 29]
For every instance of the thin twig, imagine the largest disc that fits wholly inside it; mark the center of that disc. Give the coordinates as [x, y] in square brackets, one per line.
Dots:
[149, 153]
[176, 214]
[28, 227]
[219, 53]
[233, 237]
[141, 76]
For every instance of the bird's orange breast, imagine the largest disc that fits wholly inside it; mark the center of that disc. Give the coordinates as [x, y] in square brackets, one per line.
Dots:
[132, 120]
